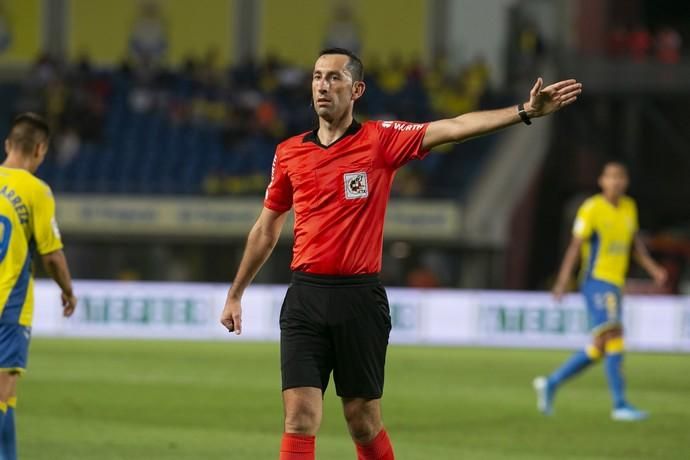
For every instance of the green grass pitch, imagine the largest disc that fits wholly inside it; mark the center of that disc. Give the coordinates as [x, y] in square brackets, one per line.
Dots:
[107, 400]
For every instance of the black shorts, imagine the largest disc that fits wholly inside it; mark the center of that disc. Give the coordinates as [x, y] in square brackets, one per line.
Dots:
[335, 323]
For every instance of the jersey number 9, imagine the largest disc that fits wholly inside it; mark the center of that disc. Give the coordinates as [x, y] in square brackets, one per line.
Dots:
[6, 234]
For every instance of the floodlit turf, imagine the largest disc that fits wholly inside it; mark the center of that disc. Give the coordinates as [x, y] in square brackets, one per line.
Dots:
[106, 400]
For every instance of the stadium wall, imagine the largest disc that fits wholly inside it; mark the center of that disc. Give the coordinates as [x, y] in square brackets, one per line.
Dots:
[102, 30]
[467, 20]
[139, 310]
[287, 33]
[20, 31]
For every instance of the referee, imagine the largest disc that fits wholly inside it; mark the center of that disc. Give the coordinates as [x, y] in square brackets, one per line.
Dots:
[335, 317]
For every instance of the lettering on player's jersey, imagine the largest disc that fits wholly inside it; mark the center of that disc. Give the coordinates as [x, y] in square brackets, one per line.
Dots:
[56, 228]
[617, 247]
[273, 174]
[356, 185]
[402, 126]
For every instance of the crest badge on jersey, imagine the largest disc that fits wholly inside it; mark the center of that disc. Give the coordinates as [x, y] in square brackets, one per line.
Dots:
[356, 185]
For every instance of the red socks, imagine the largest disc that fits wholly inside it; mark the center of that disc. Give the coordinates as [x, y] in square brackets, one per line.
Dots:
[378, 449]
[301, 447]
[297, 447]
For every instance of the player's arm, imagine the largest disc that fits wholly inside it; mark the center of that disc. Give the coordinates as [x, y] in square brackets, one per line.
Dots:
[542, 101]
[570, 259]
[260, 243]
[641, 254]
[49, 246]
[55, 264]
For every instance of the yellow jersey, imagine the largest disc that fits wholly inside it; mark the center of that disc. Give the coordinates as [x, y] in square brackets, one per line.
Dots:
[608, 233]
[27, 224]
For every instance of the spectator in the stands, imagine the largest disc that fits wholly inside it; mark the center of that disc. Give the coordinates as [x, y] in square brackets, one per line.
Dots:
[344, 30]
[530, 48]
[394, 77]
[667, 45]
[67, 144]
[617, 42]
[148, 41]
[423, 277]
[244, 111]
[639, 43]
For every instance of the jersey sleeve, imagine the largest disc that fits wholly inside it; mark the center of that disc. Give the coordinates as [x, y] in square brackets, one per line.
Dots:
[584, 221]
[401, 141]
[634, 217]
[279, 191]
[45, 227]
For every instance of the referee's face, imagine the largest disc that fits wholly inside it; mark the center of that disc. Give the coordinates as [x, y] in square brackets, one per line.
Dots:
[333, 89]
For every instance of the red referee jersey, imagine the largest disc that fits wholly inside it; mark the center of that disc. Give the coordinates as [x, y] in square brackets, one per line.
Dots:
[340, 193]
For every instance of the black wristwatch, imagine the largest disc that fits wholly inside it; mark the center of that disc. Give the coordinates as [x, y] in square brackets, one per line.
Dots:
[523, 114]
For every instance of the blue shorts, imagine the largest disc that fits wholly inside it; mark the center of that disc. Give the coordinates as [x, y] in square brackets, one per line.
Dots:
[14, 347]
[604, 306]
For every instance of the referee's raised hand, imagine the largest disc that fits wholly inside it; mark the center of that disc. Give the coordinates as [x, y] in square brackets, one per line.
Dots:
[546, 100]
[231, 317]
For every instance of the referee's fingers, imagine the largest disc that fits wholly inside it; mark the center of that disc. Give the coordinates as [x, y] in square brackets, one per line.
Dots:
[227, 322]
[237, 323]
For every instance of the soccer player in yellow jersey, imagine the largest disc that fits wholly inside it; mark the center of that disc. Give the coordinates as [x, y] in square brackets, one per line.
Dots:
[604, 235]
[27, 225]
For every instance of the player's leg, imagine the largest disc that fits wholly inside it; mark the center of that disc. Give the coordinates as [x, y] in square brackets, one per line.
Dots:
[6, 384]
[361, 326]
[363, 417]
[611, 308]
[8, 403]
[613, 366]
[546, 387]
[306, 359]
[303, 408]
[577, 362]
[622, 410]
[14, 349]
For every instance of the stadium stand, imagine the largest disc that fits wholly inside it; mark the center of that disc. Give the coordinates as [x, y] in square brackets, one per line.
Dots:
[201, 130]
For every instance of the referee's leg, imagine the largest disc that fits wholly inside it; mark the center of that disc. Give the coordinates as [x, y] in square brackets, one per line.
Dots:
[306, 363]
[361, 334]
[364, 421]
[303, 410]
[363, 417]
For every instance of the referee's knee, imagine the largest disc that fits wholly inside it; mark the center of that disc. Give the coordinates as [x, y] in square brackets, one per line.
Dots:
[302, 419]
[363, 420]
[363, 431]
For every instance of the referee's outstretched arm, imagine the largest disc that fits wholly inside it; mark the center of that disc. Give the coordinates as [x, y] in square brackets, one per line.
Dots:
[260, 243]
[542, 101]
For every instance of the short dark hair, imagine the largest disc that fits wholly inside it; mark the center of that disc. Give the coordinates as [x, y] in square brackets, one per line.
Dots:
[614, 163]
[27, 130]
[354, 65]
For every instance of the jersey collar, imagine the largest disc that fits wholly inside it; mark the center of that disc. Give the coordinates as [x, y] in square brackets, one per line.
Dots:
[311, 136]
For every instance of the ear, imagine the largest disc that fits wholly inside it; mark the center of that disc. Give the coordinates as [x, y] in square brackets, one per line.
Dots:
[358, 90]
[41, 150]
[38, 150]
